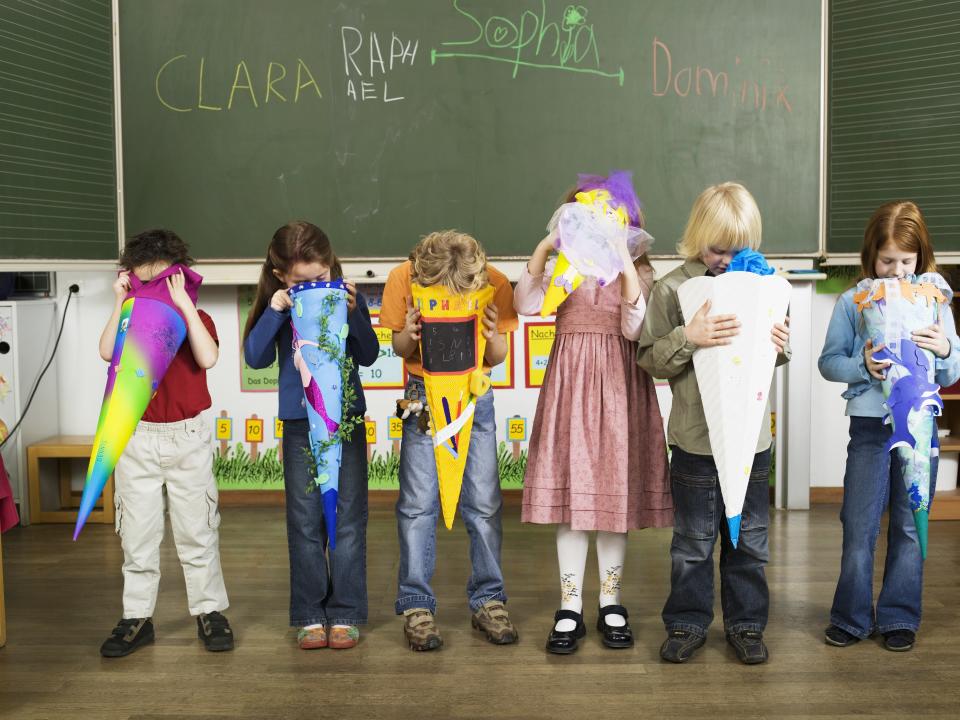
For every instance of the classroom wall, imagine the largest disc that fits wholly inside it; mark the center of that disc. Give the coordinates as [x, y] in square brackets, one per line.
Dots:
[81, 373]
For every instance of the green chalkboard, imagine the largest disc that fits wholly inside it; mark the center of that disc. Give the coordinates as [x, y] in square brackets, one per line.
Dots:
[381, 120]
[894, 122]
[58, 195]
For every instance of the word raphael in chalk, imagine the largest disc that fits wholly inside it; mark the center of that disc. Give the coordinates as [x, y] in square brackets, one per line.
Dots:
[176, 75]
[533, 42]
[701, 80]
[352, 40]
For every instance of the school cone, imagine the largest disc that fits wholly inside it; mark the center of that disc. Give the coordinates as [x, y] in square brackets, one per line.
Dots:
[566, 278]
[452, 345]
[735, 379]
[149, 334]
[892, 309]
[317, 305]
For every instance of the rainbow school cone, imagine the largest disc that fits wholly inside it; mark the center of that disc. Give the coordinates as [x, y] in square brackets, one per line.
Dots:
[892, 309]
[149, 335]
[316, 304]
[566, 278]
[451, 348]
[735, 379]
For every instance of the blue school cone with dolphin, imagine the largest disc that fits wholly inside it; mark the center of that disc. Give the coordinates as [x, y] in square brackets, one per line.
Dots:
[319, 319]
[892, 310]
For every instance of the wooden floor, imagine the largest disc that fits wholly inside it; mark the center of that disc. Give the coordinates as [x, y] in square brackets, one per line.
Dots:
[63, 598]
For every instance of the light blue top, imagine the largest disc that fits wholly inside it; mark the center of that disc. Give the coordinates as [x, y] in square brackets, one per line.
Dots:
[842, 359]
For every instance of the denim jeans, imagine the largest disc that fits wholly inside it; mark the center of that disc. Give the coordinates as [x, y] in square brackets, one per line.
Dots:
[698, 519]
[326, 587]
[418, 508]
[872, 482]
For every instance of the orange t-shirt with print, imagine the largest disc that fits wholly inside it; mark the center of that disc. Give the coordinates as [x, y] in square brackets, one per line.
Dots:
[393, 310]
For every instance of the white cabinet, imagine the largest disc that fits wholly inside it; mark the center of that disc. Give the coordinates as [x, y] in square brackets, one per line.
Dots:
[28, 330]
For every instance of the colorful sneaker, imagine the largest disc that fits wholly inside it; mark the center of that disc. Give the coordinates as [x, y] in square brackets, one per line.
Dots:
[494, 622]
[421, 630]
[215, 632]
[344, 637]
[130, 634]
[311, 638]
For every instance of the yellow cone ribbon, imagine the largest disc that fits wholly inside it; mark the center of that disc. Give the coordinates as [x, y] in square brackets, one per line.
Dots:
[451, 349]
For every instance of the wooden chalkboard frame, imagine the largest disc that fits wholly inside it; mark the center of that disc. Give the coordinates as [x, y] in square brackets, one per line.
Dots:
[665, 244]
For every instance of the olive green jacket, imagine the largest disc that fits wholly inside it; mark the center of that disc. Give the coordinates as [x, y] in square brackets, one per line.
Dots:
[665, 353]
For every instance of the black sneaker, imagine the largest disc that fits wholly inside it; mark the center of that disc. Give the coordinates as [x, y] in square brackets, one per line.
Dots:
[215, 632]
[838, 637]
[680, 645]
[749, 646]
[899, 640]
[130, 634]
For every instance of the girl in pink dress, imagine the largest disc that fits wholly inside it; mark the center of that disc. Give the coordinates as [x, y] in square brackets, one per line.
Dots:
[598, 457]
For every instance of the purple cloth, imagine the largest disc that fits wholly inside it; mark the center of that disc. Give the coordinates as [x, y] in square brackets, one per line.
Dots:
[156, 289]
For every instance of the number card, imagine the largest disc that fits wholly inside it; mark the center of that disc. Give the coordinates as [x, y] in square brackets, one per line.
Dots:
[224, 428]
[254, 429]
[516, 429]
[394, 428]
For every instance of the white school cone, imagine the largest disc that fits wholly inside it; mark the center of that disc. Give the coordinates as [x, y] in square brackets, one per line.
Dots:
[735, 379]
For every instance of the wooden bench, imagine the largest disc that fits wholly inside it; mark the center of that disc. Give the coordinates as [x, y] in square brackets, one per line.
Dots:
[64, 448]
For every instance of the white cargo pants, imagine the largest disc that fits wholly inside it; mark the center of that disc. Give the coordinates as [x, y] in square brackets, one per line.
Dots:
[177, 456]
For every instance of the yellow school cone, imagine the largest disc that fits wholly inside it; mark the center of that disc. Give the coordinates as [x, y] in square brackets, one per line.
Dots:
[566, 278]
[451, 348]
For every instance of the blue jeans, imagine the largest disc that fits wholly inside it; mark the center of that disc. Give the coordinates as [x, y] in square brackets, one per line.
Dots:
[872, 482]
[326, 587]
[698, 519]
[418, 508]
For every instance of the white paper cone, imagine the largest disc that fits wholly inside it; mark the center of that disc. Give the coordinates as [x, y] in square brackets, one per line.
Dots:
[735, 379]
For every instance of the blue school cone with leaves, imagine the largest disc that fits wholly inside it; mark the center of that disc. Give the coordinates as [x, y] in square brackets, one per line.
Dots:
[319, 319]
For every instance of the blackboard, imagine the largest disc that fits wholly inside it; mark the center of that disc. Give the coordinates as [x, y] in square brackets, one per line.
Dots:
[57, 151]
[448, 345]
[381, 120]
[894, 120]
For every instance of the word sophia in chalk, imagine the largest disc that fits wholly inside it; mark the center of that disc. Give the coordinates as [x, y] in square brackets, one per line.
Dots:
[356, 59]
[568, 43]
[278, 83]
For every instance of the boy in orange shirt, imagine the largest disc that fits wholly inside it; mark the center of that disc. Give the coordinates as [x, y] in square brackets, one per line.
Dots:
[456, 261]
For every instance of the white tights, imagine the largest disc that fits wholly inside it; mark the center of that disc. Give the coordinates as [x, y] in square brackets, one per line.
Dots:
[572, 546]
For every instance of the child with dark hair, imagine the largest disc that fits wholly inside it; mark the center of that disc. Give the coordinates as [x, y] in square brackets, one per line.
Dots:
[328, 586]
[170, 449]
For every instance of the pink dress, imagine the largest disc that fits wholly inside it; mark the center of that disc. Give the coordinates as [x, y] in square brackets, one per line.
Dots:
[598, 458]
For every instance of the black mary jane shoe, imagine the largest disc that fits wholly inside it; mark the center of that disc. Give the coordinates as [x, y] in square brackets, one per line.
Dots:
[615, 637]
[564, 642]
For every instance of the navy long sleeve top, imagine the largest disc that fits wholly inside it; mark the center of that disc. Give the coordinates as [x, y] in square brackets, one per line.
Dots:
[272, 334]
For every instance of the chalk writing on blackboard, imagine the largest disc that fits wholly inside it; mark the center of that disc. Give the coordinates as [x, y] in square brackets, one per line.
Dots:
[356, 58]
[530, 41]
[449, 345]
[744, 84]
[172, 91]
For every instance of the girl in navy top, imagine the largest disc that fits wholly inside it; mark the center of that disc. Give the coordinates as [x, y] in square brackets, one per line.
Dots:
[327, 590]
